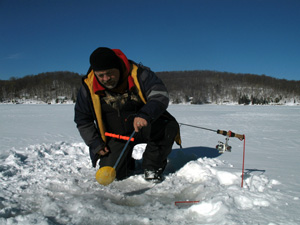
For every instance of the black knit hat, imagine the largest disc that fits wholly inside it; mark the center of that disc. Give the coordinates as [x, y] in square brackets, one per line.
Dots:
[104, 59]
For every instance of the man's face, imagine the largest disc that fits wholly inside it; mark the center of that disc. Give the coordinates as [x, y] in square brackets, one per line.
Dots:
[108, 78]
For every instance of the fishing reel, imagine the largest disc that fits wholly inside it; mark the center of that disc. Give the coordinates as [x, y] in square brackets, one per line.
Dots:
[222, 147]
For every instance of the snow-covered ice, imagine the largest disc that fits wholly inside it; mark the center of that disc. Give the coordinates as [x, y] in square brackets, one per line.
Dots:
[46, 176]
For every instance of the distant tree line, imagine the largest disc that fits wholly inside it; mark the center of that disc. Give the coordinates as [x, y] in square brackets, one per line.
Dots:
[200, 87]
[44, 86]
[196, 87]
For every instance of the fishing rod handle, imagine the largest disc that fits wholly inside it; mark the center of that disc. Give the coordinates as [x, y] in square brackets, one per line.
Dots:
[231, 134]
[118, 136]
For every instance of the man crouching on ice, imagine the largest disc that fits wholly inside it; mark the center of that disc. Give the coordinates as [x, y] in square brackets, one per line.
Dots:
[119, 96]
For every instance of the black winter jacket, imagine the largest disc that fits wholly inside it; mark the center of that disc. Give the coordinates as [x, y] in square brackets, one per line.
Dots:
[153, 91]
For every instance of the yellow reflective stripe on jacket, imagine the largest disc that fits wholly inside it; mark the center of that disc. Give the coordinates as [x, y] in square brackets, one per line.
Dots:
[136, 82]
[96, 104]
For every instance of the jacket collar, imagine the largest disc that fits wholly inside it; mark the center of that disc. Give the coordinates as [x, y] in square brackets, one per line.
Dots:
[98, 87]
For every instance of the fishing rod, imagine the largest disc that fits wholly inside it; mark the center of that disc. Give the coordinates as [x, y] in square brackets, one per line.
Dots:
[222, 147]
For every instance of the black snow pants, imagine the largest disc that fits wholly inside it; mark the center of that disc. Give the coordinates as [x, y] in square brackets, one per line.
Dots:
[159, 137]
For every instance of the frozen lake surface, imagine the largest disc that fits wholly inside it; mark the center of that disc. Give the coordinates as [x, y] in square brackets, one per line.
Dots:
[46, 175]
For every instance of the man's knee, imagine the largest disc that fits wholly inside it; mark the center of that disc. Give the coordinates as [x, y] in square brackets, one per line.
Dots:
[171, 131]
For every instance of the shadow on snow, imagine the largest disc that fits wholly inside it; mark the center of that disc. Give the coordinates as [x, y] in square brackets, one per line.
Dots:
[179, 157]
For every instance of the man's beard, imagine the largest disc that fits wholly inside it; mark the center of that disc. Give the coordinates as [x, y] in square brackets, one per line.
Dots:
[110, 84]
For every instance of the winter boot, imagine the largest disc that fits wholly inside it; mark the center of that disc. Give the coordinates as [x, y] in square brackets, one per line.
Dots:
[154, 176]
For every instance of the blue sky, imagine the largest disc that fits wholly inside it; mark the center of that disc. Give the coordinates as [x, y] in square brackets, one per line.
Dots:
[239, 36]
